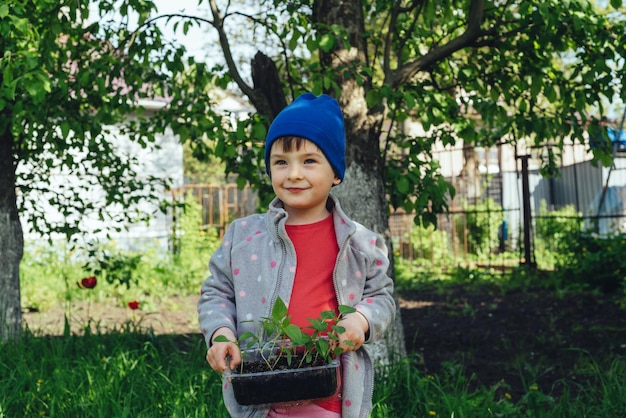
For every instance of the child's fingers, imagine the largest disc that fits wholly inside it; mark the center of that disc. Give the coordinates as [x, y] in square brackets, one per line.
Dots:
[217, 354]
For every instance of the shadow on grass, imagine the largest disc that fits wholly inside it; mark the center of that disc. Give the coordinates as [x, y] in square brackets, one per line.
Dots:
[515, 340]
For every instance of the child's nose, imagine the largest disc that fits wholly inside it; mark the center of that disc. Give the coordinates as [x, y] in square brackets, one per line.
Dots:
[295, 171]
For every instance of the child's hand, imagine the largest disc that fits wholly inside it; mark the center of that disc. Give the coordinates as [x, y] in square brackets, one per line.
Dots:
[356, 327]
[216, 356]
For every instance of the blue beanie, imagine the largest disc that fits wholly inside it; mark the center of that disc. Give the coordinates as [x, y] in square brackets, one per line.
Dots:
[318, 119]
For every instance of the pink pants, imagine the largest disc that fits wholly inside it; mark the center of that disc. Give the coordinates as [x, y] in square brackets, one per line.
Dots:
[303, 411]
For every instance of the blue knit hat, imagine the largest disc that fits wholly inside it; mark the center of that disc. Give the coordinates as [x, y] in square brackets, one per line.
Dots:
[318, 119]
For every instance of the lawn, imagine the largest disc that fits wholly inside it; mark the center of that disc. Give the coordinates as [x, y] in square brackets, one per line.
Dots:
[479, 344]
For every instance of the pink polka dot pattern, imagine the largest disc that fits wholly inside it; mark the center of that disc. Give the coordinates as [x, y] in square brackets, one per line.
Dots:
[273, 264]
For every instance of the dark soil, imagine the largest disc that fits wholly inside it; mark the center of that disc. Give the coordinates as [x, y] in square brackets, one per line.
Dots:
[507, 341]
[284, 384]
[515, 340]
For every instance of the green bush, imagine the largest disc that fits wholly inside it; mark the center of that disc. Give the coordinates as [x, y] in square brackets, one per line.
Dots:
[553, 232]
[123, 275]
[430, 245]
[481, 227]
[593, 262]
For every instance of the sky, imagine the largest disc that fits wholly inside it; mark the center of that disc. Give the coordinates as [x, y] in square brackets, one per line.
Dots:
[196, 38]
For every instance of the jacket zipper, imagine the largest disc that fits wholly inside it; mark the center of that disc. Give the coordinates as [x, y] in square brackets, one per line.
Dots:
[279, 280]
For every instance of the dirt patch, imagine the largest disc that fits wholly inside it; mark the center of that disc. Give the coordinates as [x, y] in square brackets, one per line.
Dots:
[175, 315]
[512, 341]
[508, 341]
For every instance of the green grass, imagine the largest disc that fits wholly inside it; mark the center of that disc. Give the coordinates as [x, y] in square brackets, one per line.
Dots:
[127, 372]
[119, 374]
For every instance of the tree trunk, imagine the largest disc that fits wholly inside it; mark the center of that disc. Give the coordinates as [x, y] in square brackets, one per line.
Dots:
[11, 244]
[363, 196]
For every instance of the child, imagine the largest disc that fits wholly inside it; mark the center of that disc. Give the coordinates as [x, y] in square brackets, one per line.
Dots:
[307, 251]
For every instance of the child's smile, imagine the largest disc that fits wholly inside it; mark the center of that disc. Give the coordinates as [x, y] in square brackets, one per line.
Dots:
[302, 179]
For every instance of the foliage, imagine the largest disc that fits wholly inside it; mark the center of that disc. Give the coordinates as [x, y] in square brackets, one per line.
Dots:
[481, 226]
[192, 242]
[71, 82]
[431, 246]
[87, 88]
[124, 372]
[153, 273]
[593, 263]
[466, 71]
[553, 231]
[127, 373]
[121, 373]
[277, 337]
[117, 267]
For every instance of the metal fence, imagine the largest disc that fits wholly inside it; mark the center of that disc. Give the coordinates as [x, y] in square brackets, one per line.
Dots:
[521, 197]
[496, 195]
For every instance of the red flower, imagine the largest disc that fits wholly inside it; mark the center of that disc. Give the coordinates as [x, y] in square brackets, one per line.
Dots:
[133, 305]
[89, 282]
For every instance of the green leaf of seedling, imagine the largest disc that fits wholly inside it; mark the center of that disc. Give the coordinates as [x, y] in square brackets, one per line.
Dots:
[322, 346]
[221, 339]
[345, 309]
[270, 328]
[279, 310]
[338, 329]
[317, 324]
[247, 336]
[348, 343]
[294, 333]
[328, 315]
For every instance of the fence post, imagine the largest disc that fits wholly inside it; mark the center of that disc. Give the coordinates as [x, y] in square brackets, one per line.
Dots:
[529, 257]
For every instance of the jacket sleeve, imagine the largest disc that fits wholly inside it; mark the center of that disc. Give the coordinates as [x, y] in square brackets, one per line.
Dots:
[216, 305]
[377, 304]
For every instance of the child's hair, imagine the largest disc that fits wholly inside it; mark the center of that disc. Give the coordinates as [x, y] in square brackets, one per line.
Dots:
[289, 143]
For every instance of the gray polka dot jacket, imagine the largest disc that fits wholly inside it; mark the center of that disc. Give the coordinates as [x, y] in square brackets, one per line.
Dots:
[255, 264]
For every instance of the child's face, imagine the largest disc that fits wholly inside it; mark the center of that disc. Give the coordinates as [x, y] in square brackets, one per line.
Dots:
[302, 178]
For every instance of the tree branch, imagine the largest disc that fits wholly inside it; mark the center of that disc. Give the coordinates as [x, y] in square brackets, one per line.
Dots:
[218, 24]
[472, 32]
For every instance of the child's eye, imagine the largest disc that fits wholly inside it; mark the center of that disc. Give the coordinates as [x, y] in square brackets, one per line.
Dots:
[310, 161]
[280, 162]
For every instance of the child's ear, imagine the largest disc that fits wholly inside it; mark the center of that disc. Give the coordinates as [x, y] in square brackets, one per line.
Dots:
[336, 181]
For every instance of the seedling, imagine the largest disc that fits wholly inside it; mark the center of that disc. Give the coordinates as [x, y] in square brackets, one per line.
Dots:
[278, 338]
